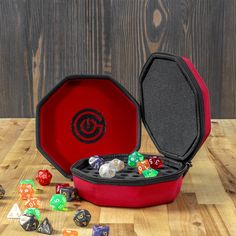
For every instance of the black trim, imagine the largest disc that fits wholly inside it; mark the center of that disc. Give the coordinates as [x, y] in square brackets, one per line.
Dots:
[52, 91]
[199, 105]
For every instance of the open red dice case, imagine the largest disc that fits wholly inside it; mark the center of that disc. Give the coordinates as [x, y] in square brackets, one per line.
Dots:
[94, 115]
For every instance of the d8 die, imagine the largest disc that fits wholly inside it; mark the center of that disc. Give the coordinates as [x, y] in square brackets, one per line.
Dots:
[134, 158]
[2, 192]
[82, 218]
[29, 222]
[44, 177]
[143, 165]
[96, 162]
[26, 191]
[58, 202]
[100, 230]
[155, 162]
[70, 193]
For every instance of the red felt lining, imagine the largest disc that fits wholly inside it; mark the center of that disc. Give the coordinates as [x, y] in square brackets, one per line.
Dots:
[103, 95]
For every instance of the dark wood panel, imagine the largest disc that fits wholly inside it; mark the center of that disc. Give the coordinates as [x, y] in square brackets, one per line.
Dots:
[42, 41]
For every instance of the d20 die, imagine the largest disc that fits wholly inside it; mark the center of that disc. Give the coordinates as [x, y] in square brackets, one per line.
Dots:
[117, 164]
[155, 162]
[82, 217]
[70, 193]
[28, 222]
[95, 162]
[44, 177]
[143, 165]
[134, 158]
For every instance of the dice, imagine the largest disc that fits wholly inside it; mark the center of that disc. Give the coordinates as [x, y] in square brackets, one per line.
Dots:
[95, 162]
[33, 211]
[82, 217]
[59, 186]
[2, 192]
[155, 162]
[107, 171]
[70, 193]
[117, 164]
[150, 173]
[44, 177]
[45, 227]
[28, 222]
[143, 165]
[134, 158]
[100, 230]
[69, 232]
[28, 181]
[58, 202]
[25, 191]
[33, 203]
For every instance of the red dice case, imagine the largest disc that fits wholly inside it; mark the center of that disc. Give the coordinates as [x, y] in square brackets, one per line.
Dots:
[174, 107]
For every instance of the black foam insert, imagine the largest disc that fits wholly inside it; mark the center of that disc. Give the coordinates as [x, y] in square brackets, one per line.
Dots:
[128, 176]
[170, 108]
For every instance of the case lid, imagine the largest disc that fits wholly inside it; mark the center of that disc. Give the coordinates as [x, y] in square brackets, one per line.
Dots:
[84, 116]
[172, 106]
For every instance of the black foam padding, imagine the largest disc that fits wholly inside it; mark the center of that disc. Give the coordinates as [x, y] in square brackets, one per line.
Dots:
[172, 170]
[169, 107]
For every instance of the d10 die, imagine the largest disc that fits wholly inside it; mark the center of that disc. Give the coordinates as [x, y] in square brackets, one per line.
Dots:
[100, 230]
[134, 158]
[28, 222]
[155, 162]
[58, 202]
[26, 191]
[82, 218]
[59, 186]
[70, 193]
[2, 192]
[44, 177]
[143, 165]
[95, 162]
[33, 203]
[150, 173]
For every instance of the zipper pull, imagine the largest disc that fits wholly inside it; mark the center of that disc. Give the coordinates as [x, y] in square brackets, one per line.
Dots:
[188, 164]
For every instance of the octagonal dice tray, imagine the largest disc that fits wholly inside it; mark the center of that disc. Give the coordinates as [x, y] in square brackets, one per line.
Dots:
[94, 115]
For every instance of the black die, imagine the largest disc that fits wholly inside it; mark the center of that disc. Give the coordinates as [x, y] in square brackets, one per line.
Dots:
[82, 218]
[29, 222]
[70, 193]
[2, 192]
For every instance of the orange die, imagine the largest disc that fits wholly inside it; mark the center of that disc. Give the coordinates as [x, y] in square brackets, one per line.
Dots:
[26, 191]
[69, 232]
[33, 203]
[143, 165]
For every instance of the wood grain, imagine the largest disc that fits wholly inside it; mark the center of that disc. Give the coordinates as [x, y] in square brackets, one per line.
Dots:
[206, 204]
[43, 41]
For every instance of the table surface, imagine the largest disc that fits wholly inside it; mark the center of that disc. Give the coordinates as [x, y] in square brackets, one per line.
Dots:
[205, 206]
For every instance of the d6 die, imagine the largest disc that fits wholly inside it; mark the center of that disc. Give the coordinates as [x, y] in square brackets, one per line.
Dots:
[134, 158]
[95, 162]
[100, 230]
[70, 193]
[155, 162]
[44, 177]
[82, 218]
[143, 165]
[29, 222]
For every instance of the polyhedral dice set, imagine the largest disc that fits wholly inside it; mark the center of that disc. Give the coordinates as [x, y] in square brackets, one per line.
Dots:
[89, 128]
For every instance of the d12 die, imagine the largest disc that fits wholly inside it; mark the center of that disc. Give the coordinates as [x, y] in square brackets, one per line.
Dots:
[44, 177]
[70, 193]
[33, 203]
[82, 218]
[26, 191]
[2, 192]
[45, 227]
[150, 173]
[134, 158]
[59, 186]
[96, 162]
[58, 202]
[28, 222]
[100, 230]
[143, 165]
[155, 162]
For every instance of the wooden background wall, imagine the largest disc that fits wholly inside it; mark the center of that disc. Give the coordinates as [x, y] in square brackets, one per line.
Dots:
[41, 41]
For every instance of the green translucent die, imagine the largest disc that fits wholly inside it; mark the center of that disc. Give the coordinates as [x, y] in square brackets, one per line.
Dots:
[134, 158]
[28, 181]
[58, 202]
[150, 173]
[33, 211]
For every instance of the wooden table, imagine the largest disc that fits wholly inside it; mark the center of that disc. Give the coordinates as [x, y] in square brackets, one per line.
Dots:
[205, 206]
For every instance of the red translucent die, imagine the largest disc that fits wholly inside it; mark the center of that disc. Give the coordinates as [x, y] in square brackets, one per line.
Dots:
[32, 203]
[143, 165]
[26, 191]
[44, 177]
[155, 162]
[59, 186]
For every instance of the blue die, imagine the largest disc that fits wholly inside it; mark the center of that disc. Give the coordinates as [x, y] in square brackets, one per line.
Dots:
[100, 230]
[95, 162]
